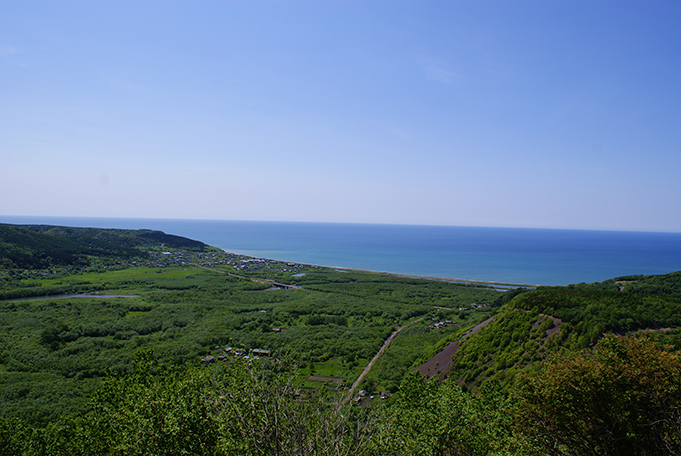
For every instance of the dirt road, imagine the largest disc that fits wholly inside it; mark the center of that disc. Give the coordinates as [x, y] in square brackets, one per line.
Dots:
[367, 368]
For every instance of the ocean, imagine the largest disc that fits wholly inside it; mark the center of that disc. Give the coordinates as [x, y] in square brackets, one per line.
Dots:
[507, 255]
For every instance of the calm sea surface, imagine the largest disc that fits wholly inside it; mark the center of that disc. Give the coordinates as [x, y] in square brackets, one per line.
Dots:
[512, 255]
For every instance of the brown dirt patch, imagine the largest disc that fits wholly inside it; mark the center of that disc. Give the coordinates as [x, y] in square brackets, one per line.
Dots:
[325, 379]
[441, 363]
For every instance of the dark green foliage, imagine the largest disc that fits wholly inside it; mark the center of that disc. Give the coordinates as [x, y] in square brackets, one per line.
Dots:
[154, 410]
[593, 312]
[661, 284]
[432, 419]
[42, 246]
[536, 323]
[235, 408]
[26, 248]
[666, 284]
[427, 418]
[507, 296]
[407, 351]
[400, 289]
[621, 398]
[514, 340]
[99, 239]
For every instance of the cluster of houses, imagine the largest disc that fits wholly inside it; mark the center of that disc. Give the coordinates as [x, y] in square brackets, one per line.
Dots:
[260, 264]
[443, 324]
[228, 352]
[185, 258]
[475, 306]
[440, 324]
[363, 395]
[238, 262]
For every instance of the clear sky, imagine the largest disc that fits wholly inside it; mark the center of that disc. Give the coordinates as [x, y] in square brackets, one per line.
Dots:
[532, 113]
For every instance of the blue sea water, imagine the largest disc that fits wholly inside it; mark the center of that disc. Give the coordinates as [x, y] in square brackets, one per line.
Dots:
[509, 255]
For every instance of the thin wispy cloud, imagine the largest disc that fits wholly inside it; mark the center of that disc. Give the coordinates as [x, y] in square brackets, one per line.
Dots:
[6, 50]
[121, 84]
[436, 71]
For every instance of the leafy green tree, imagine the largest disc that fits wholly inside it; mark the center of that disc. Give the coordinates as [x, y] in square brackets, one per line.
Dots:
[621, 398]
[262, 413]
[13, 436]
[432, 419]
[239, 407]
[155, 411]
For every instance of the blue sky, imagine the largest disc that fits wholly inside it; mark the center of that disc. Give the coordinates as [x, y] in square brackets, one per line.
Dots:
[550, 114]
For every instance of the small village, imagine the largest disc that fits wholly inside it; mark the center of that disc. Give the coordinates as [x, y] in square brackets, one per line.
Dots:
[230, 352]
[240, 263]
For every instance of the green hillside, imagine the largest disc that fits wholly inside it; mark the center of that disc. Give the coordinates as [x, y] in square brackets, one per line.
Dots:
[44, 246]
[538, 323]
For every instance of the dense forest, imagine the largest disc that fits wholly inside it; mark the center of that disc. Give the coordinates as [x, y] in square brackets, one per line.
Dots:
[139, 342]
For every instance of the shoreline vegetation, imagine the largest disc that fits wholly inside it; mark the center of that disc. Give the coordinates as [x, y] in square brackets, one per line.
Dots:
[438, 279]
[245, 355]
[499, 286]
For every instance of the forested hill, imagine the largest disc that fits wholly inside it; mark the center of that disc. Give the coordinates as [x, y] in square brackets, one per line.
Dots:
[45, 246]
[537, 324]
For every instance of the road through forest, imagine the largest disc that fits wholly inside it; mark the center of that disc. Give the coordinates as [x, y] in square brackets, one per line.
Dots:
[367, 368]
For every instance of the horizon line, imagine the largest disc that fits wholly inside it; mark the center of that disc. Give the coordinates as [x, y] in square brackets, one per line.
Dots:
[443, 225]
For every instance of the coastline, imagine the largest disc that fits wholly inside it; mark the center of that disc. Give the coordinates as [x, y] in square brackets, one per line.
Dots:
[491, 256]
[443, 279]
[504, 285]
